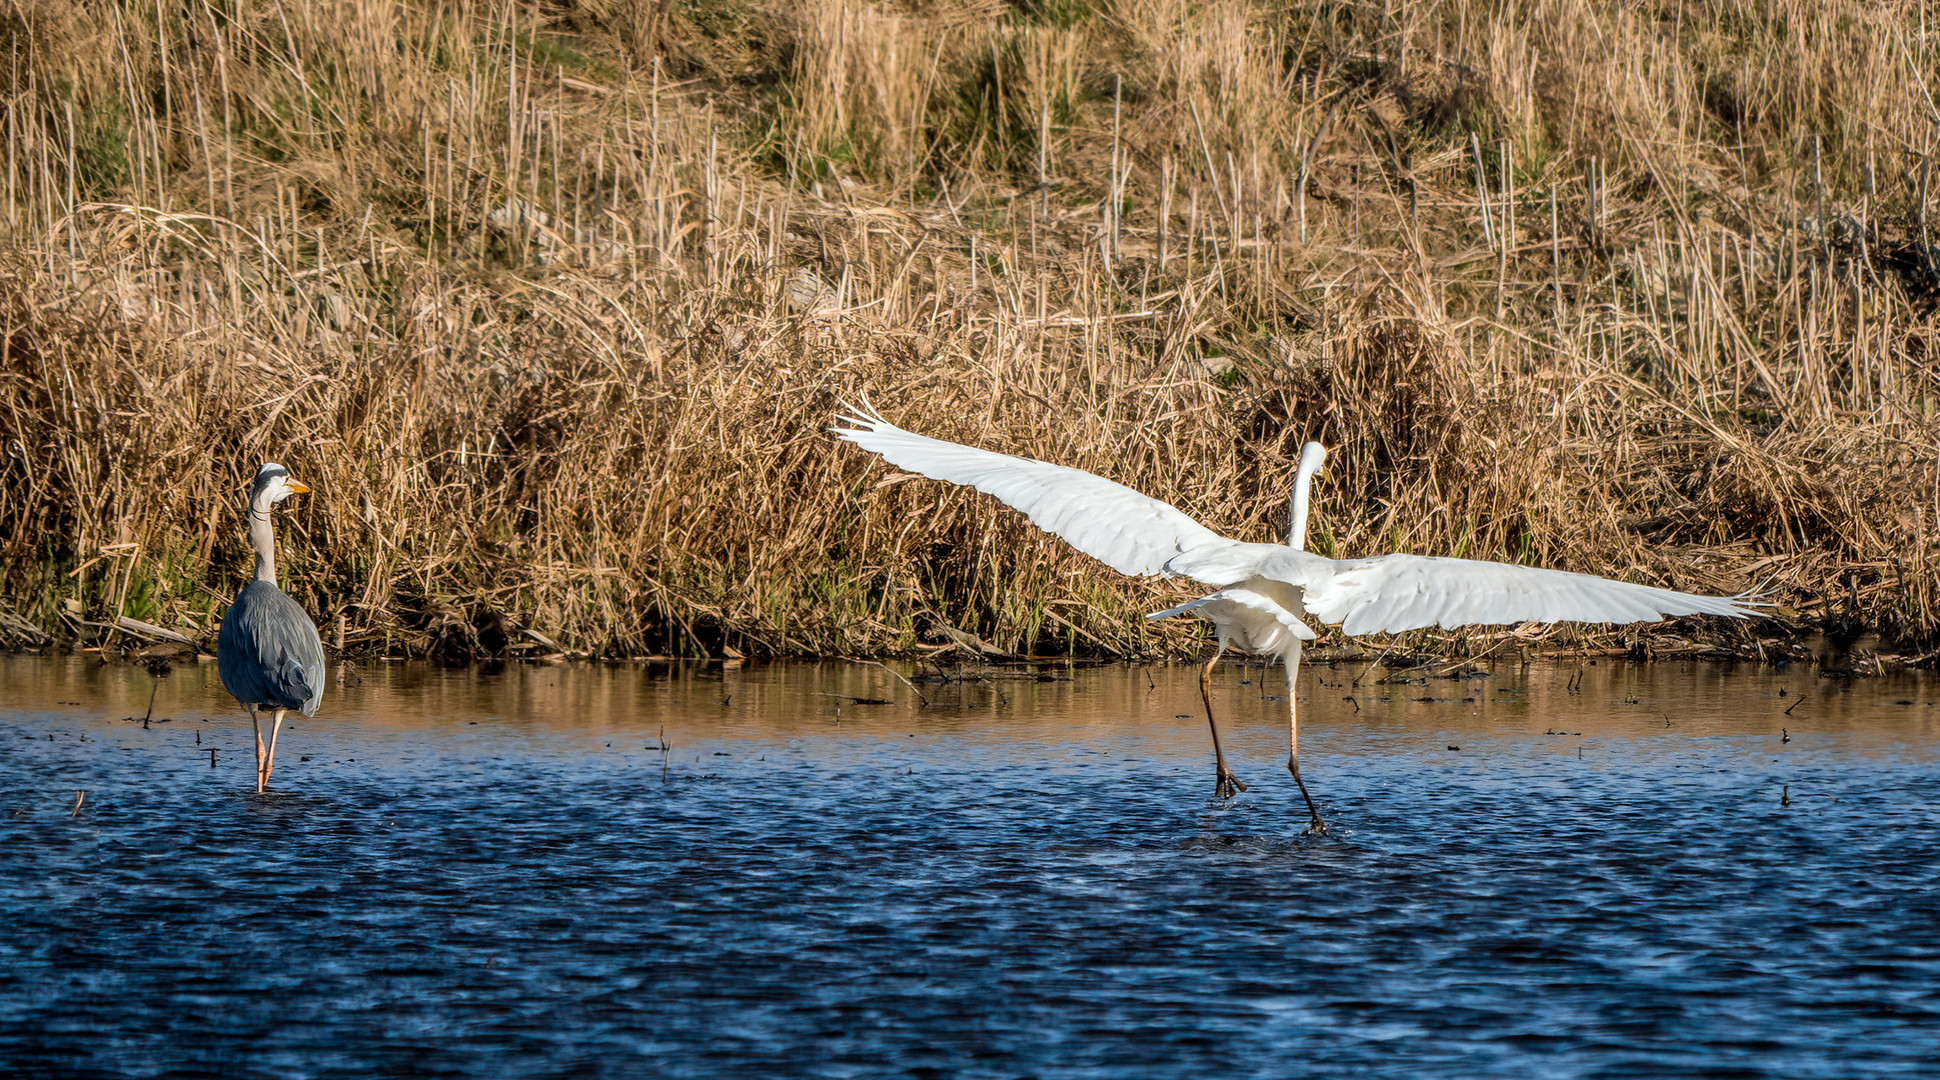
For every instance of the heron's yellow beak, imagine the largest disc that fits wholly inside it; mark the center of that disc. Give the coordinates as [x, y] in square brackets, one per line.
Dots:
[297, 486]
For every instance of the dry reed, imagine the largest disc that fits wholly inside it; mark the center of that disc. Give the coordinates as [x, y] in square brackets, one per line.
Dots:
[553, 304]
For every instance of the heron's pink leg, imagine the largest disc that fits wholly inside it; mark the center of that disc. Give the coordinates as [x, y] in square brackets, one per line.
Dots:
[269, 763]
[256, 723]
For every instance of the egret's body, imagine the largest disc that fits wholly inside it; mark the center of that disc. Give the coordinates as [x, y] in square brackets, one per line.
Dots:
[1260, 619]
[1269, 591]
[268, 651]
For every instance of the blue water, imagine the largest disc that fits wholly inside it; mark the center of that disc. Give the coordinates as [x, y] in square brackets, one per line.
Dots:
[476, 875]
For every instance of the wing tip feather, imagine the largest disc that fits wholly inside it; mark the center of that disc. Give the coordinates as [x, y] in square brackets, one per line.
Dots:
[865, 419]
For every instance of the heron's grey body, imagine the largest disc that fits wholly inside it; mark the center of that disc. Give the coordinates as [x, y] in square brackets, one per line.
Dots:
[268, 651]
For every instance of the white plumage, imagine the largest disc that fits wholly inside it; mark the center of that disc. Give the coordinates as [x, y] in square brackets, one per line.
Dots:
[1266, 591]
[1248, 618]
[1129, 532]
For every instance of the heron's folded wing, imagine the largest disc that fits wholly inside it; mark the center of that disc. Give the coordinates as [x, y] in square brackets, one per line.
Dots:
[300, 676]
[283, 650]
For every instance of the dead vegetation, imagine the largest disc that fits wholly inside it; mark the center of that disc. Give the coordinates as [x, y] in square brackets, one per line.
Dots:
[552, 306]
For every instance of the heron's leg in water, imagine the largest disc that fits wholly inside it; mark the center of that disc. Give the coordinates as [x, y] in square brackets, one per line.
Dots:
[1292, 661]
[256, 723]
[269, 763]
[1227, 784]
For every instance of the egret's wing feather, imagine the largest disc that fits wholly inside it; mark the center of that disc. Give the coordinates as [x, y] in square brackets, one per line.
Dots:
[1127, 531]
[1230, 561]
[1403, 592]
[1254, 618]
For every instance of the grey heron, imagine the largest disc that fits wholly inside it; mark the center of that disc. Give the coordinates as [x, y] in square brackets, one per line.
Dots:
[268, 652]
[1266, 590]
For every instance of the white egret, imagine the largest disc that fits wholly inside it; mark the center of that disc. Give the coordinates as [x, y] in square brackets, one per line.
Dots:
[1255, 622]
[1267, 589]
[268, 650]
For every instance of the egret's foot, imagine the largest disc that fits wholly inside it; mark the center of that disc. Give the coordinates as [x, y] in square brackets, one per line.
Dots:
[1317, 827]
[1228, 785]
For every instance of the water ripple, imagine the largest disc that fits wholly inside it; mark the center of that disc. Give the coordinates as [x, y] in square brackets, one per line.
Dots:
[1046, 895]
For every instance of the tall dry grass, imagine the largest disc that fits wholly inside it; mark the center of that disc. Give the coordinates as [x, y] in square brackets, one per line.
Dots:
[553, 304]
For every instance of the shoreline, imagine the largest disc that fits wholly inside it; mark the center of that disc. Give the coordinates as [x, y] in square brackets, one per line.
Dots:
[558, 354]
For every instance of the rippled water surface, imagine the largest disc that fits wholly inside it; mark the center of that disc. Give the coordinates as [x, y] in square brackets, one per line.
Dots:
[680, 871]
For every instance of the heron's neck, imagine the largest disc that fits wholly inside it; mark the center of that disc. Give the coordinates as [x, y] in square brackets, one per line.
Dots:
[263, 540]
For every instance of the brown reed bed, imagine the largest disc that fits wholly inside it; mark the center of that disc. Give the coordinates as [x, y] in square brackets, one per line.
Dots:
[552, 305]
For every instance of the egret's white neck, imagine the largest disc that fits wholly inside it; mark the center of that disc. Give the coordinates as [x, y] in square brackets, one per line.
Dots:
[1297, 519]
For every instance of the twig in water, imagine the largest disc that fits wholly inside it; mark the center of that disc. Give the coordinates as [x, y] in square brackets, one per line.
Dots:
[1372, 666]
[905, 682]
[854, 700]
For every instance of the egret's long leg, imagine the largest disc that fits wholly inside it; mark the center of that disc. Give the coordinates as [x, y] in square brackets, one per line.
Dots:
[1292, 662]
[269, 763]
[257, 724]
[1227, 784]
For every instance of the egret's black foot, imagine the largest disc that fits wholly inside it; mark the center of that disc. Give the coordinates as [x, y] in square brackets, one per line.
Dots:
[1227, 786]
[1318, 827]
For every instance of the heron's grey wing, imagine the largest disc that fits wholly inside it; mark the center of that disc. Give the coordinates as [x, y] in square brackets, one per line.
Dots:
[1402, 592]
[1127, 531]
[268, 651]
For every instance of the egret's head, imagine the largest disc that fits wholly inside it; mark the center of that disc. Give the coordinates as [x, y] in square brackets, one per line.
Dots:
[273, 485]
[1313, 459]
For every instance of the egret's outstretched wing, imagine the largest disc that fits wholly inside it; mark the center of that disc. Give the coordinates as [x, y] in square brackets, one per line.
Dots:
[1136, 534]
[1402, 592]
[1127, 531]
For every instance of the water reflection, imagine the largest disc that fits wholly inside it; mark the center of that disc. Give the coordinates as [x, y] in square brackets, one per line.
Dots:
[681, 870]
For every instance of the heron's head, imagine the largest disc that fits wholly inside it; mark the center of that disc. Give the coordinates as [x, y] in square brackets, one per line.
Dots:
[273, 485]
